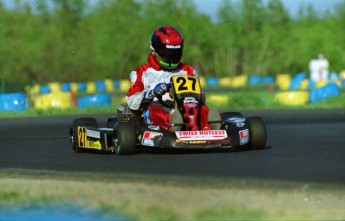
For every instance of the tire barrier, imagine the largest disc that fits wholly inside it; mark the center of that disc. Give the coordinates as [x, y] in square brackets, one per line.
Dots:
[55, 87]
[342, 75]
[319, 84]
[91, 87]
[212, 81]
[32, 90]
[257, 80]
[296, 81]
[268, 80]
[16, 102]
[116, 84]
[82, 87]
[74, 87]
[292, 97]
[100, 86]
[109, 86]
[224, 82]
[65, 87]
[96, 100]
[124, 85]
[283, 81]
[300, 81]
[239, 81]
[58, 100]
[233, 82]
[44, 89]
[331, 89]
[254, 80]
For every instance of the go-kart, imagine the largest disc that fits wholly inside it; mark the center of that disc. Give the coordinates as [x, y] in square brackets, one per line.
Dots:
[127, 132]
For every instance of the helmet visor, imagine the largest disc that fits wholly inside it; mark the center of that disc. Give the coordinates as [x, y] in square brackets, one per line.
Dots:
[171, 53]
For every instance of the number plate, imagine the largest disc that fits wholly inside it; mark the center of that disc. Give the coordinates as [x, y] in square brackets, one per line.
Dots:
[186, 84]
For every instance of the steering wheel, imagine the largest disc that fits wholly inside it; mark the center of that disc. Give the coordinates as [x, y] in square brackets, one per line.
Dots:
[168, 104]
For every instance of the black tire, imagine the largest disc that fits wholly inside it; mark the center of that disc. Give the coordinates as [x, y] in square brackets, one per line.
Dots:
[257, 131]
[126, 139]
[73, 132]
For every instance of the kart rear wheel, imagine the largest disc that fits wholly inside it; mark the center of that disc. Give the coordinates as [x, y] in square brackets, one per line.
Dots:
[126, 139]
[257, 131]
[73, 132]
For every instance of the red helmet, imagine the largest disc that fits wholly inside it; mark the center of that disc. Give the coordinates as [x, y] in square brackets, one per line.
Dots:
[167, 42]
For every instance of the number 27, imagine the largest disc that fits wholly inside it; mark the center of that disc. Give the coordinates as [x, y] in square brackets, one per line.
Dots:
[184, 85]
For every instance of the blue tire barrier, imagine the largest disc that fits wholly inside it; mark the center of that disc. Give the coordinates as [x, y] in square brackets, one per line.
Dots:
[254, 80]
[81, 87]
[268, 80]
[44, 89]
[311, 85]
[296, 81]
[116, 84]
[343, 82]
[65, 87]
[96, 100]
[212, 81]
[329, 90]
[14, 102]
[100, 86]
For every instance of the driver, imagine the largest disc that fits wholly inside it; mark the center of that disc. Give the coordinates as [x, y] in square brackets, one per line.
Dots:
[152, 79]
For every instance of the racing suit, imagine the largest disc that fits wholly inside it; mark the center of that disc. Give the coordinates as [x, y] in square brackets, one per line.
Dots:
[145, 78]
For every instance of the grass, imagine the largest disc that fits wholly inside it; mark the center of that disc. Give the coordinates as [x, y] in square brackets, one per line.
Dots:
[143, 197]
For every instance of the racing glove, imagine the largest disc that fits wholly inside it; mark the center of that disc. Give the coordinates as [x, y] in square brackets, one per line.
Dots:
[161, 89]
[158, 90]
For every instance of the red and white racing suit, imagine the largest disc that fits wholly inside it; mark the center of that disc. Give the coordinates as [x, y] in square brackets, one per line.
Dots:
[145, 78]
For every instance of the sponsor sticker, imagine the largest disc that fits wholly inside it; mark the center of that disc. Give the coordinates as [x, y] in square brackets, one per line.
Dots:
[197, 142]
[147, 142]
[244, 136]
[188, 100]
[95, 145]
[149, 137]
[201, 135]
[93, 133]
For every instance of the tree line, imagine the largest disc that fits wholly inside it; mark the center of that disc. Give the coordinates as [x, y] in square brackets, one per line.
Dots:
[72, 40]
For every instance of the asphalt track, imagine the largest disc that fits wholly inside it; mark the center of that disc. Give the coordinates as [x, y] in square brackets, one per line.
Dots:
[303, 146]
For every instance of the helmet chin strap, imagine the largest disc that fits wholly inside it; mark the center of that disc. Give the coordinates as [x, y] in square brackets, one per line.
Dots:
[168, 66]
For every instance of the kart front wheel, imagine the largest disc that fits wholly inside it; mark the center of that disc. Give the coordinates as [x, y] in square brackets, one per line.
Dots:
[73, 132]
[126, 139]
[257, 131]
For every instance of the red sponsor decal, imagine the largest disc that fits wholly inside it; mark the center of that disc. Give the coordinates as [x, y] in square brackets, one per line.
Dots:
[150, 135]
[244, 133]
[201, 135]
